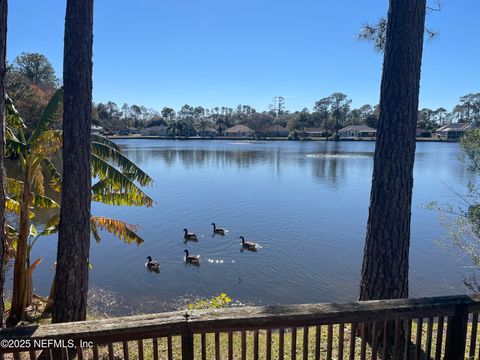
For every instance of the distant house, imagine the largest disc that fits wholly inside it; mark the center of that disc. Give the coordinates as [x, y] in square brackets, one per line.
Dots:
[239, 131]
[422, 133]
[452, 131]
[357, 131]
[207, 132]
[273, 131]
[314, 132]
[159, 130]
[97, 129]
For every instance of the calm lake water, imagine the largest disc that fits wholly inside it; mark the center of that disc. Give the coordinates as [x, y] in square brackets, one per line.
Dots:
[306, 203]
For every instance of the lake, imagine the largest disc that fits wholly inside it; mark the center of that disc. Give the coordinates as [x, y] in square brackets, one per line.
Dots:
[306, 203]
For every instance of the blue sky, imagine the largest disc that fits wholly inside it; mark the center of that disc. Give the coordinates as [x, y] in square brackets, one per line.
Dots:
[228, 52]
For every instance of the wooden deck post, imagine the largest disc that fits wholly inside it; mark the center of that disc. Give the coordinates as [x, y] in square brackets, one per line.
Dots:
[187, 343]
[457, 334]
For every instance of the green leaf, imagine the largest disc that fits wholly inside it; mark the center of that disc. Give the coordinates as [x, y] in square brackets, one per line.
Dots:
[51, 227]
[94, 231]
[112, 178]
[15, 147]
[11, 231]
[42, 202]
[13, 117]
[54, 221]
[121, 199]
[14, 187]
[55, 177]
[48, 143]
[106, 141]
[33, 230]
[13, 206]
[49, 115]
[120, 229]
[128, 167]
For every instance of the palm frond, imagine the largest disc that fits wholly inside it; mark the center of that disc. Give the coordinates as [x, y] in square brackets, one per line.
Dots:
[49, 231]
[38, 181]
[108, 195]
[49, 116]
[48, 143]
[13, 206]
[94, 231]
[11, 231]
[44, 202]
[51, 227]
[13, 146]
[9, 134]
[112, 178]
[55, 177]
[128, 167]
[53, 221]
[120, 229]
[103, 140]
[123, 199]
[13, 117]
[14, 187]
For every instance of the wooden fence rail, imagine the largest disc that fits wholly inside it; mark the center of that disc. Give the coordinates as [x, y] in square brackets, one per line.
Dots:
[426, 328]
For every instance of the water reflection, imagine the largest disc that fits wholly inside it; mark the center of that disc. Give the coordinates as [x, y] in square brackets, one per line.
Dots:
[330, 163]
[306, 203]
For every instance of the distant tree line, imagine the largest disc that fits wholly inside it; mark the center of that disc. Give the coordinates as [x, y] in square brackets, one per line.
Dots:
[31, 82]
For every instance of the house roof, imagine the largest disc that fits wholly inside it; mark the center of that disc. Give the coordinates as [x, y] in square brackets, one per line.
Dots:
[358, 128]
[239, 129]
[454, 127]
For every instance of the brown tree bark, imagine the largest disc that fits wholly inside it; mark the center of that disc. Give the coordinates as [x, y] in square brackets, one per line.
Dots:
[71, 279]
[385, 264]
[19, 296]
[3, 51]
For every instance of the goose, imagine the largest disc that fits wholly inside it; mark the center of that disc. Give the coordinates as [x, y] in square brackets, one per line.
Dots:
[216, 230]
[189, 236]
[191, 258]
[152, 264]
[248, 244]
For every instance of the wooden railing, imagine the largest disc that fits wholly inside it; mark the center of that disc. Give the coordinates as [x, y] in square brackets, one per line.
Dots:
[427, 328]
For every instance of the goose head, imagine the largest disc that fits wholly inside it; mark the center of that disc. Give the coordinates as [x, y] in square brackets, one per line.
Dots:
[243, 239]
[186, 253]
[149, 258]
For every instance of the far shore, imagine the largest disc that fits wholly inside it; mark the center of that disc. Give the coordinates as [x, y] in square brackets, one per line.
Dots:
[149, 137]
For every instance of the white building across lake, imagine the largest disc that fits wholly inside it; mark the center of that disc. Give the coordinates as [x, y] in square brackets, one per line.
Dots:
[357, 131]
[452, 131]
[240, 131]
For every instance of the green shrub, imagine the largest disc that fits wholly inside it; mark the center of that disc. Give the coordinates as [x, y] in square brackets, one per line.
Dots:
[216, 302]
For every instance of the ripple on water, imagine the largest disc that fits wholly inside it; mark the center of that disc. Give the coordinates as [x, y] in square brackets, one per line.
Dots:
[340, 156]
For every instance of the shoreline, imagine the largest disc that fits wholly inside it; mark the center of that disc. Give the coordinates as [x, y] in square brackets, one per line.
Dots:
[152, 137]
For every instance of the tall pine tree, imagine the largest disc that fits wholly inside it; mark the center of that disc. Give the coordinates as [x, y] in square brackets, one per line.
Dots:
[71, 279]
[385, 263]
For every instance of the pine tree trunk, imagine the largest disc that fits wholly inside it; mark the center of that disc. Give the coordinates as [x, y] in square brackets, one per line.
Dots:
[71, 280]
[385, 264]
[3, 47]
